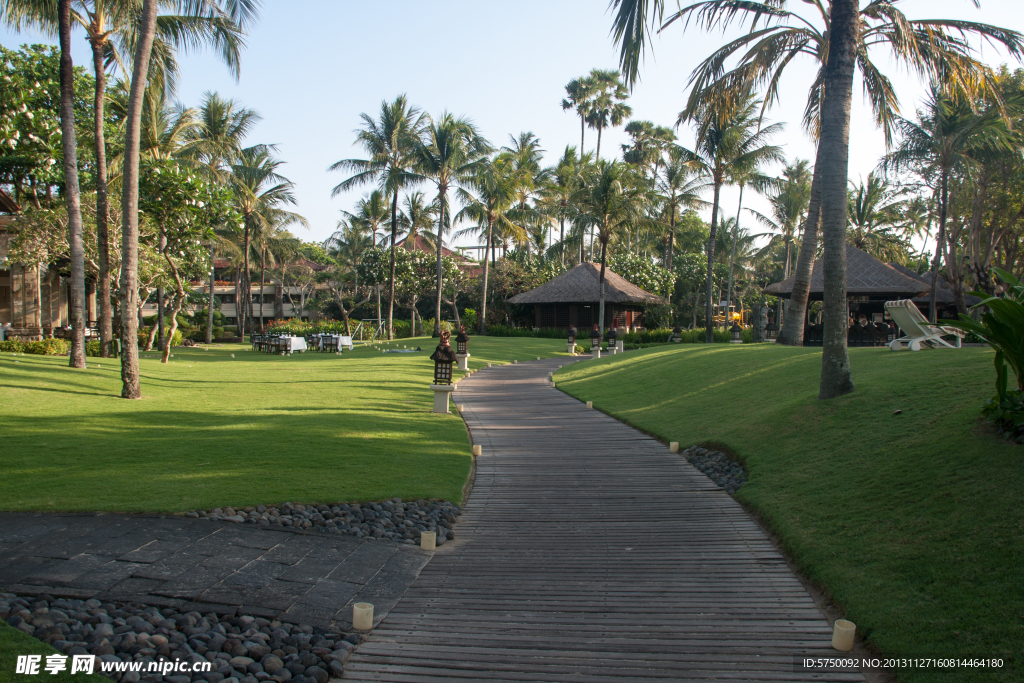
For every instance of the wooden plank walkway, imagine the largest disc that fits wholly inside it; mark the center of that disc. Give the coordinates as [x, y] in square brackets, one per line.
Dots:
[589, 552]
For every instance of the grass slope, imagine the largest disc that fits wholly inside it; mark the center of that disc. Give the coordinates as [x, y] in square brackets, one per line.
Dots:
[14, 642]
[213, 430]
[913, 523]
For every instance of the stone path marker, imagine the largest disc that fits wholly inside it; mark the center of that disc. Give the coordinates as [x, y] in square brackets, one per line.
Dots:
[587, 551]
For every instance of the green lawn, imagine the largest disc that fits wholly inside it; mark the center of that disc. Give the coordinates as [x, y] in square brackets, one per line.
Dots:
[14, 642]
[913, 523]
[212, 430]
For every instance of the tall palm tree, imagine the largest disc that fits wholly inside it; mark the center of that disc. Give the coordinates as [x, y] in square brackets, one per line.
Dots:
[730, 143]
[788, 208]
[260, 192]
[391, 143]
[874, 217]
[578, 95]
[559, 193]
[678, 186]
[527, 155]
[935, 48]
[616, 198]
[416, 219]
[946, 137]
[488, 201]
[452, 151]
[370, 218]
[649, 144]
[607, 104]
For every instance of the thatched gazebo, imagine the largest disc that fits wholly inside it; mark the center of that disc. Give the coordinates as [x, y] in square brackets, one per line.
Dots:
[945, 301]
[869, 284]
[573, 298]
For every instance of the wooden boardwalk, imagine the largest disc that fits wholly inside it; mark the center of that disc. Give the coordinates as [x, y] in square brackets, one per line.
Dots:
[589, 552]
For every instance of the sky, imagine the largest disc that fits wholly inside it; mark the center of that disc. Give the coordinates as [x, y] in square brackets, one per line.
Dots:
[311, 68]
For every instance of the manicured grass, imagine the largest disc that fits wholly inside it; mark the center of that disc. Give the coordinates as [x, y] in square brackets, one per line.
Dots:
[213, 430]
[14, 642]
[913, 523]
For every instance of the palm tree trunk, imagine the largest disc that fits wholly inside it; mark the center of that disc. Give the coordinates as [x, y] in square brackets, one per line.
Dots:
[939, 242]
[239, 325]
[598, 158]
[129, 283]
[263, 279]
[671, 236]
[246, 279]
[791, 332]
[440, 230]
[836, 378]
[600, 311]
[583, 129]
[72, 195]
[209, 307]
[483, 294]
[391, 276]
[732, 257]
[709, 332]
[102, 212]
[561, 237]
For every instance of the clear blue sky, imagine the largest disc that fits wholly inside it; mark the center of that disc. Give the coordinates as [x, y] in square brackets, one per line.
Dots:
[311, 67]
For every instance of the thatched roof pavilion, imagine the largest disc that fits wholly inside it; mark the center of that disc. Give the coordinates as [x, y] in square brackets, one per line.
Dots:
[572, 298]
[866, 276]
[945, 301]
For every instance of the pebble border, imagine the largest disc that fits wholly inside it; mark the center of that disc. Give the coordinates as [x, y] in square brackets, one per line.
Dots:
[391, 520]
[719, 467]
[241, 649]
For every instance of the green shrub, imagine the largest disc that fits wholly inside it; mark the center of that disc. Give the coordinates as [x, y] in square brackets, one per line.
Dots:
[469, 319]
[12, 346]
[48, 347]
[1007, 413]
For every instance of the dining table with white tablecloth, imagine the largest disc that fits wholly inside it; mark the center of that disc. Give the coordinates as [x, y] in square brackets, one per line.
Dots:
[293, 344]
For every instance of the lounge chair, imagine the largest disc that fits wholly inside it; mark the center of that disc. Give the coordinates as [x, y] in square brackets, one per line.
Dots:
[917, 329]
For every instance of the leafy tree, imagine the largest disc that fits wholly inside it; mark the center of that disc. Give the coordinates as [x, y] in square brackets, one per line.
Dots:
[392, 143]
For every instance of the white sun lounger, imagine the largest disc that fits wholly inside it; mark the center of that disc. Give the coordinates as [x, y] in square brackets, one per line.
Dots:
[917, 329]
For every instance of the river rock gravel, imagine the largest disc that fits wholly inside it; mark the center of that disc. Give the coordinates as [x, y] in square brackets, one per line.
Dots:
[392, 520]
[719, 467]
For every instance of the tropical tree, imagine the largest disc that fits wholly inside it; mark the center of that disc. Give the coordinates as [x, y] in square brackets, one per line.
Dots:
[788, 208]
[946, 139]
[678, 186]
[452, 151]
[260, 193]
[937, 49]
[558, 193]
[578, 95]
[488, 201]
[607, 103]
[616, 198]
[392, 143]
[648, 144]
[731, 145]
[874, 215]
[526, 155]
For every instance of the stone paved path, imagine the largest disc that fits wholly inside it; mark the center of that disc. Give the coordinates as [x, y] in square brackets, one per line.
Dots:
[588, 552]
[310, 578]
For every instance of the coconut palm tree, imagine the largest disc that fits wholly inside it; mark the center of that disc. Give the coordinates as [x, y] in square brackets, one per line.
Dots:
[607, 104]
[678, 186]
[730, 144]
[945, 139]
[558, 194]
[526, 155]
[648, 145]
[788, 208]
[935, 48]
[488, 200]
[416, 219]
[260, 192]
[615, 199]
[392, 143]
[452, 151]
[578, 95]
[874, 216]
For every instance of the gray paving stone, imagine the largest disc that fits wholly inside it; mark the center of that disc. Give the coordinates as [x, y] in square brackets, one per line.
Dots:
[105, 576]
[366, 561]
[63, 572]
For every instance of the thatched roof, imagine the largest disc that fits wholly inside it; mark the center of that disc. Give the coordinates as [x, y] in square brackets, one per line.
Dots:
[945, 292]
[582, 285]
[864, 275]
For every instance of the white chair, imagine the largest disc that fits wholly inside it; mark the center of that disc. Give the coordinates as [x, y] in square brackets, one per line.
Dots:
[917, 329]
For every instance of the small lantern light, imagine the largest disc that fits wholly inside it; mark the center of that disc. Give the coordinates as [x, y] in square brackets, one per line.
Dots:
[572, 335]
[736, 330]
[443, 358]
[771, 330]
[595, 337]
[677, 333]
[462, 341]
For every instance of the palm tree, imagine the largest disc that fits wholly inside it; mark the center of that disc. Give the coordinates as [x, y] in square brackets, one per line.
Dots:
[526, 155]
[678, 187]
[578, 95]
[452, 151]
[488, 201]
[649, 144]
[607, 104]
[259, 193]
[558, 194]
[874, 214]
[730, 143]
[788, 208]
[938, 49]
[111, 28]
[615, 199]
[416, 220]
[945, 138]
[392, 143]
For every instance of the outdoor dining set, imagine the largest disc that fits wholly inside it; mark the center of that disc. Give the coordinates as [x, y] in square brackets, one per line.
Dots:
[285, 344]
